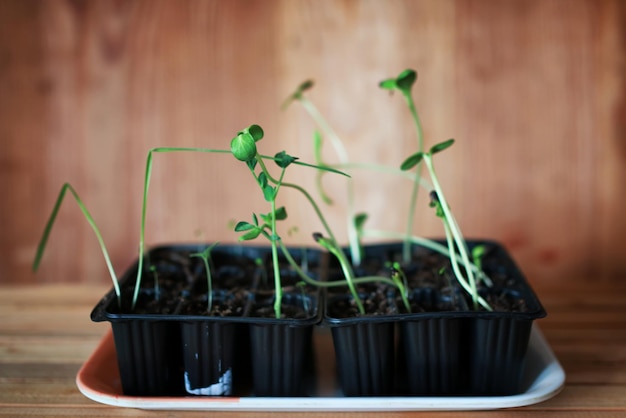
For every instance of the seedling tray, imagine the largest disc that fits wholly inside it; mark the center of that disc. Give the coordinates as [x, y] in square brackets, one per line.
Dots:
[99, 380]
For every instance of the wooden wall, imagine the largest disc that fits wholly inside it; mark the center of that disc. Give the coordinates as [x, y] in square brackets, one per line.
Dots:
[533, 92]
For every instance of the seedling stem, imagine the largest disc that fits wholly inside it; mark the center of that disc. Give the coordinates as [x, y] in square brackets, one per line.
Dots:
[46, 233]
[206, 259]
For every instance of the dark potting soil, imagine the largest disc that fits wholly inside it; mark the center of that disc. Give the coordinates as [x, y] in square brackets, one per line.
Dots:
[287, 311]
[432, 273]
[230, 304]
[375, 302]
[503, 301]
[163, 301]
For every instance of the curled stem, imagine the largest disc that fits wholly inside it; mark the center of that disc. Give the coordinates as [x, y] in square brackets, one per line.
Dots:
[46, 234]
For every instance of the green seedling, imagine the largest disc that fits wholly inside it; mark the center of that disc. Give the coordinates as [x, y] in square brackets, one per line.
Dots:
[242, 152]
[148, 172]
[342, 153]
[404, 83]
[400, 279]
[478, 252]
[302, 273]
[454, 238]
[317, 153]
[208, 263]
[346, 267]
[427, 243]
[243, 148]
[335, 283]
[46, 234]
[359, 226]
[144, 206]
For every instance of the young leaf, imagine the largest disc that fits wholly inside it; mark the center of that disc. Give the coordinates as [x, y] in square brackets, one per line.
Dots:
[406, 79]
[244, 226]
[412, 161]
[269, 193]
[441, 146]
[282, 159]
[263, 180]
[281, 213]
[389, 84]
[256, 132]
[252, 234]
[243, 147]
[306, 85]
[436, 203]
[322, 168]
[434, 198]
[297, 95]
[274, 238]
[359, 221]
[206, 254]
[478, 252]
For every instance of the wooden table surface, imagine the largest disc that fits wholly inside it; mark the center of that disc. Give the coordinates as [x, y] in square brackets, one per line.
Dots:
[46, 335]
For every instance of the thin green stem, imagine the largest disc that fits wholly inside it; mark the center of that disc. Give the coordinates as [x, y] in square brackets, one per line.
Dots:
[346, 267]
[317, 155]
[148, 173]
[454, 228]
[457, 271]
[406, 252]
[146, 186]
[353, 236]
[403, 295]
[426, 243]
[277, 281]
[335, 283]
[274, 239]
[316, 208]
[347, 271]
[46, 234]
[316, 115]
[206, 259]
[306, 194]
[209, 283]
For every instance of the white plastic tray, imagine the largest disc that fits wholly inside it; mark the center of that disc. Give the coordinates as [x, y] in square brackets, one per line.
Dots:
[544, 377]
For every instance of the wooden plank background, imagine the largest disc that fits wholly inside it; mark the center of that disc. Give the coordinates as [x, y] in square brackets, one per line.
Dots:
[533, 91]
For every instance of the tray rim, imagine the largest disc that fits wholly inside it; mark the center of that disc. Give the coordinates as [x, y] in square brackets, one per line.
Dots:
[549, 382]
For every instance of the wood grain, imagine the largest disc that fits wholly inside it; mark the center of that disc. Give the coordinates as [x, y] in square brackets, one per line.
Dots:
[533, 92]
